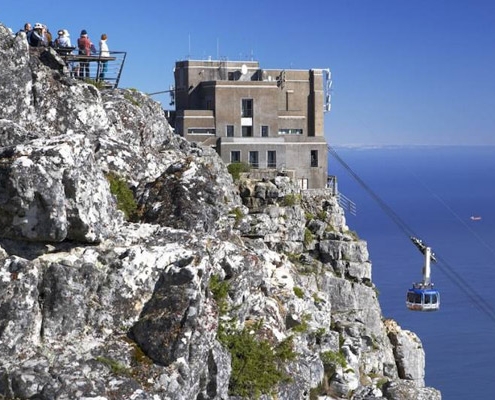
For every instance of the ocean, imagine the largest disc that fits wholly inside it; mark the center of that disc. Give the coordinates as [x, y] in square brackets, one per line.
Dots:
[433, 191]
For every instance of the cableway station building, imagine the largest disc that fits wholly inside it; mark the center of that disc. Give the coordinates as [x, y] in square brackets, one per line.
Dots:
[271, 119]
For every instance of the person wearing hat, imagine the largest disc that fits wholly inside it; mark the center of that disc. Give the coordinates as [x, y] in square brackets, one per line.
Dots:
[37, 37]
[84, 45]
[63, 47]
[63, 39]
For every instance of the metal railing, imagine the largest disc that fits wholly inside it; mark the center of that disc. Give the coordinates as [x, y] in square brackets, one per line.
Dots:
[347, 204]
[105, 70]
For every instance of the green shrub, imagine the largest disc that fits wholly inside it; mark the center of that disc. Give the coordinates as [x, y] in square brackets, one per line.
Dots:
[125, 198]
[220, 291]
[308, 237]
[330, 228]
[317, 299]
[381, 382]
[319, 334]
[353, 234]
[322, 215]
[308, 216]
[291, 199]
[304, 325]
[298, 292]
[98, 84]
[238, 214]
[332, 359]
[131, 99]
[116, 367]
[293, 257]
[257, 366]
[235, 169]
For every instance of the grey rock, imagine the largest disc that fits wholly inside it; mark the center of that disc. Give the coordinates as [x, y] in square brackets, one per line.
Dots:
[46, 195]
[405, 390]
[96, 307]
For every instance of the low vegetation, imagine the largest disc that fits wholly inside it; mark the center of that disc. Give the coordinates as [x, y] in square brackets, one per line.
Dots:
[235, 169]
[116, 367]
[220, 291]
[332, 359]
[308, 237]
[98, 84]
[353, 234]
[257, 365]
[237, 212]
[298, 292]
[303, 326]
[291, 199]
[124, 196]
[131, 99]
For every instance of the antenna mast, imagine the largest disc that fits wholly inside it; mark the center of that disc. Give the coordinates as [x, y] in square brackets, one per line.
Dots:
[189, 46]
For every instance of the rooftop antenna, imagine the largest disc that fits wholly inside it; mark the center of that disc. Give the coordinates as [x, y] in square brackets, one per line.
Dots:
[189, 48]
[218, 49]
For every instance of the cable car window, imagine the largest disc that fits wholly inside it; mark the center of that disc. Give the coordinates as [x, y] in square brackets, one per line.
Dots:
[414, 298]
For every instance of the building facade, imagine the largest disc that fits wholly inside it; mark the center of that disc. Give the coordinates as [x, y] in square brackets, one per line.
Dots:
[272, 120]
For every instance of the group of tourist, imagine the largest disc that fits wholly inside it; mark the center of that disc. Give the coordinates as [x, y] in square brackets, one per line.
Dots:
[40, 36]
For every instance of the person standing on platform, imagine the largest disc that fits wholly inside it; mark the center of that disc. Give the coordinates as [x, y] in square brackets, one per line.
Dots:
[37, 37]
[63, 39]
[84, 45]
[104, 52]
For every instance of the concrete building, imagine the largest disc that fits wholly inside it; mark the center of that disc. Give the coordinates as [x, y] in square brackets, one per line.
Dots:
[270, 119]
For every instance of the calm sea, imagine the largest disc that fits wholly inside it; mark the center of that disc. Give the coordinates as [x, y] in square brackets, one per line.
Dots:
[434, 191]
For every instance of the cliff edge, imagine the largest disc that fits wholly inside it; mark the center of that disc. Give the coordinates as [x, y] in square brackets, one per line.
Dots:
[132, 266]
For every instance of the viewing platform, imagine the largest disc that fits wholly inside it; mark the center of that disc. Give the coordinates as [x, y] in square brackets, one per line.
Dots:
[106, 70]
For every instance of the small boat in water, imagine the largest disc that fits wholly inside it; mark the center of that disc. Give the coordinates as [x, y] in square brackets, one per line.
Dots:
[475, 218]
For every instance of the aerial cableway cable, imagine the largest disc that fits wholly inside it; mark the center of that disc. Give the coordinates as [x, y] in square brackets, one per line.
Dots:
[451, 274]
[391, 213]
[480, 303]
[456, 216]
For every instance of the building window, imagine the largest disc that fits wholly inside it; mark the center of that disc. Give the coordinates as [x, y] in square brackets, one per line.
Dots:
[289, 99]
[235, 156]
[264, 130]
[314, 158]
[230, 130]
[247, 131]
[247, 108]
[303, 183]
[289, 131]
[271, 159]
[201, 131]
[181, 79]
[254, 159]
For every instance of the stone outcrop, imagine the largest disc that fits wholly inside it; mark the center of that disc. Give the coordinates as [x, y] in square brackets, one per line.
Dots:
[215, 290]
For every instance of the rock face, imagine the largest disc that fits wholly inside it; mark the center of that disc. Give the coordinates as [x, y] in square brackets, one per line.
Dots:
[216, 290]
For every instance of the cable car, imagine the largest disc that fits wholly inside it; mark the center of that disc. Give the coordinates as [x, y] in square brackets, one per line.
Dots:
[422, 296]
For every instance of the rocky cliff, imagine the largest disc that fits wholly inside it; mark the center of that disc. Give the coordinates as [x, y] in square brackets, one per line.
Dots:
[133, 267]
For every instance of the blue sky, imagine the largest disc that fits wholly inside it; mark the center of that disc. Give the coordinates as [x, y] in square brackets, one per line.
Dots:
[404, 71]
